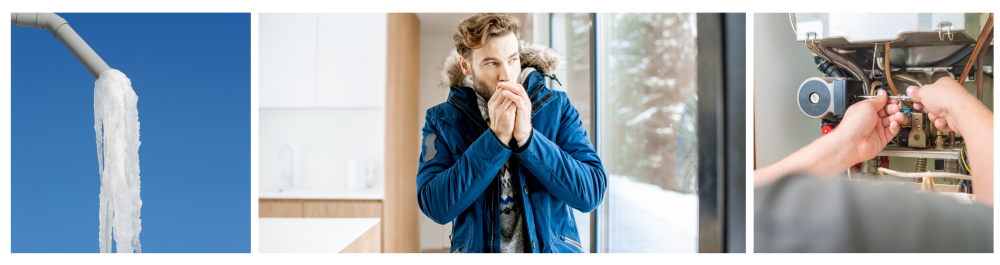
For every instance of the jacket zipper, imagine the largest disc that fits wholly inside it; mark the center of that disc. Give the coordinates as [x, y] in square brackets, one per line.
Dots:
[496, 179]
[537, 90]
[534, 107]
[492, 246]
[493, 218]
[573, 242]
[467, 112]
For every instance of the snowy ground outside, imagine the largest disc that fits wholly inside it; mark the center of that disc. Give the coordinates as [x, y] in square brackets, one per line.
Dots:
[647, 219]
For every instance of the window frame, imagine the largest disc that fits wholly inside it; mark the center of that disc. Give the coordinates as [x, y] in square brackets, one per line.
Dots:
[721, 147]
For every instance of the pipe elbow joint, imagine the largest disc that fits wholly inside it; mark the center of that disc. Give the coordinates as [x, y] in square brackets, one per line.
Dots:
[54, 23]
[48, 21]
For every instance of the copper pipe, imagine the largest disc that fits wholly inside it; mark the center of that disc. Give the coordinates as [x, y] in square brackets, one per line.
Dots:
[979, 67]
[888, 76]
[979, 77]
[975, 51]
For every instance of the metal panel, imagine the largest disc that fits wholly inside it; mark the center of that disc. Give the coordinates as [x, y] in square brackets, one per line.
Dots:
[711, 139]
[721, 131]
[735, 107]
[598, 221]
[897, 151]
[841, 30]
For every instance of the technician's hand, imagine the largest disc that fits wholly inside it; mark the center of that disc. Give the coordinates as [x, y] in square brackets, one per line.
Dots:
[868, 126]
[502, 115]
[940, 100]
[516, 94]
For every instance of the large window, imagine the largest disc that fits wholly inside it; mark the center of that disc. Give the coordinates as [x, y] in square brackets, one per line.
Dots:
[571, 37]
[646, 104]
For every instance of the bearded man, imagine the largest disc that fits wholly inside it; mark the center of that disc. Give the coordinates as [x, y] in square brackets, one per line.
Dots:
[505, 158]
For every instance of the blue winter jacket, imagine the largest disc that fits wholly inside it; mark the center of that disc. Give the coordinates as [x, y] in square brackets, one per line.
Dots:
[557, 169]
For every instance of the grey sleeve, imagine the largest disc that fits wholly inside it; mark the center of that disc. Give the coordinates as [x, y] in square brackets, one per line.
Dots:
[800, 213]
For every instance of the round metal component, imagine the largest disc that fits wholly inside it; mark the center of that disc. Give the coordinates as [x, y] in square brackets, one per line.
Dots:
[815, 99]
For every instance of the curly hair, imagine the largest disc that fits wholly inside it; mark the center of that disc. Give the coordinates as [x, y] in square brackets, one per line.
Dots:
[474, 31]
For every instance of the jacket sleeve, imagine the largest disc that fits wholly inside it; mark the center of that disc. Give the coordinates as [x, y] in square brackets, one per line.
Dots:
[569, 168]
[446, 186]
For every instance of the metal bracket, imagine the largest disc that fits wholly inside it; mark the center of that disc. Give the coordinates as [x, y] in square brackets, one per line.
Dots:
[941, 25]
[811, 37]
[929, 71]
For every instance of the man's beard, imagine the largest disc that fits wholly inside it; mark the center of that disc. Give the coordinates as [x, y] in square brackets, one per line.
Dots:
[481, 87]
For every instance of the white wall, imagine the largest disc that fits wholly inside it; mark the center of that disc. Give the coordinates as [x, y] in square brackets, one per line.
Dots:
[780, 66]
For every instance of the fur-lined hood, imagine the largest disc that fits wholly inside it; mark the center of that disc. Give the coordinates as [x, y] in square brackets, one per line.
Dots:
[533, 57]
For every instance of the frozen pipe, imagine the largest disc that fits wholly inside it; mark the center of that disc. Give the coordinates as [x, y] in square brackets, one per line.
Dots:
[62, 31]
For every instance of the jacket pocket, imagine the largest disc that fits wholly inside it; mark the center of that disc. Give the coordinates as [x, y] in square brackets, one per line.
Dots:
[578, 247]
[460, 249]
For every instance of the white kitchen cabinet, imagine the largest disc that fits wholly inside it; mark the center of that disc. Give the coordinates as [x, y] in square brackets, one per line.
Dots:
[322, 142]
[333, 60]
[287, 62]
[352, 60]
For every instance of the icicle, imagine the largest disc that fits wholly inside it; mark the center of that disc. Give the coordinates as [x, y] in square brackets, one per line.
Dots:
[116, 122]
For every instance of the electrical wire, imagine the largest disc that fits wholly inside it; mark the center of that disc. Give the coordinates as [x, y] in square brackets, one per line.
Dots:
[791, 18]
[841, 61]
[924, 174]
[875, 86]
[874, 59]
[909, 79]
[963, 159]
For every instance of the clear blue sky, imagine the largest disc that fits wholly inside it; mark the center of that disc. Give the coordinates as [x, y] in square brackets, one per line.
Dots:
[192, 75]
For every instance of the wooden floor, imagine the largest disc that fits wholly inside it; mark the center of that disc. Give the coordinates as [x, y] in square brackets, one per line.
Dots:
[443, 250]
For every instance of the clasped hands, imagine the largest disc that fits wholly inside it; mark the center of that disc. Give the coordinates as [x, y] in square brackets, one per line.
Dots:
[510, 112]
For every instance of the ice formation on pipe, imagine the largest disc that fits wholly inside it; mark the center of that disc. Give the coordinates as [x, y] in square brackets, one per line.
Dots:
[116, 121]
